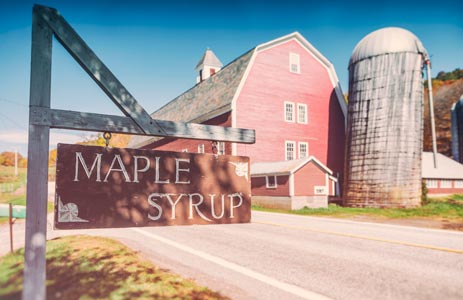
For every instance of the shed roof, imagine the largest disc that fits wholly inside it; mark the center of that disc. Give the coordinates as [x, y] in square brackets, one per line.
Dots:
[447, 168]
[286, 167]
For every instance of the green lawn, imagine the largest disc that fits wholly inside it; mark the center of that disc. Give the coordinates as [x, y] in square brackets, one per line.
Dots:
[13, 188]
[8, 179]
[446, 207]
[84, 267]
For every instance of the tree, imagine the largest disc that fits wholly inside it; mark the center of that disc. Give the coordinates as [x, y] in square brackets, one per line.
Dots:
[7, 159]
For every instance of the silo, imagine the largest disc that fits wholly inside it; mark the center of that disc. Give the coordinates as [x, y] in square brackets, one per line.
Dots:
[457, 130]
[385, 121]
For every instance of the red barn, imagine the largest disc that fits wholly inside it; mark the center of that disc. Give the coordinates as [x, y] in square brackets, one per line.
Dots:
[446, 179]
[284, 89]
[292, 184]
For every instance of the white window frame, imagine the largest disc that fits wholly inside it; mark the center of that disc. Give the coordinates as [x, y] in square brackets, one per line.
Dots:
[286, 149]
[304, 109]
[294, 60]
[268, 184]
[431, 183]
[458, 184]
[201, 148]
[221, 148]
[185, 150]
[445, 183]
[306, 144]
[293, 112]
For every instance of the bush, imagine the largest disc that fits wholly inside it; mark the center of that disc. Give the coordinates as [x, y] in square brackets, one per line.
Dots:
[424, 193]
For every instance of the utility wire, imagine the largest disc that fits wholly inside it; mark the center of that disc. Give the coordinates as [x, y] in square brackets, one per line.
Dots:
[21, 126]
[13, 102]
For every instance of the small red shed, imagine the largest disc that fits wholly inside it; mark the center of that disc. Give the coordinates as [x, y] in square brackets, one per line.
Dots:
[292, 184]
[446, 179]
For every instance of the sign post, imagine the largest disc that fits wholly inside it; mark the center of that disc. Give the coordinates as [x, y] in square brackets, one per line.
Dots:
[46, 23]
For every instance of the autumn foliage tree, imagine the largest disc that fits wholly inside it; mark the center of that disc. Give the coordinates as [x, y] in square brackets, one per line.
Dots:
[7, 159]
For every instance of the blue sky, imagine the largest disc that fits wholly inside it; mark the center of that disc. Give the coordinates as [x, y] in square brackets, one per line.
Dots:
[153, 46]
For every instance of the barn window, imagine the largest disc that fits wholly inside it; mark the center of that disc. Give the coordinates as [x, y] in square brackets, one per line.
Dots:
[201, 148]
[302, 113]
[431, 183]
[446, 184]
[221, 148]
[290, 148]
[458, 183]
[271, 182]
[289, 112]
[211, 71]
[320, 190]
[303, 149]
[294, 63]
[185, 150]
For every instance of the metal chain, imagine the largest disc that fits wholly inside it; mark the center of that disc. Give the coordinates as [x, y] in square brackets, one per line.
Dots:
[107, 136]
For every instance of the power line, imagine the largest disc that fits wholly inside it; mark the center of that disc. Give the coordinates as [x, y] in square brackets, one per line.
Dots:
[13, 102]
[21, 126]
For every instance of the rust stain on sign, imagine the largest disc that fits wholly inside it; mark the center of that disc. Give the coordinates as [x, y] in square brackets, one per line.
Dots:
[98, 187]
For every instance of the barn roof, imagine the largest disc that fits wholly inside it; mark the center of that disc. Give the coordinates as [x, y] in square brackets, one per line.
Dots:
[447, 168]
[215, 95]
[210, 97]
[286, 167]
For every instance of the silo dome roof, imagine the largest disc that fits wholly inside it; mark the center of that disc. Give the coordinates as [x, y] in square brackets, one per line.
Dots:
[386, 40]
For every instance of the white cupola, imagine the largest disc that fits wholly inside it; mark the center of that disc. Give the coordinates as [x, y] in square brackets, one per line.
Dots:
[208, 65]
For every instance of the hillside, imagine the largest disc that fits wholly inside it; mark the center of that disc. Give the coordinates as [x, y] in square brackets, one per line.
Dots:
[446, 93]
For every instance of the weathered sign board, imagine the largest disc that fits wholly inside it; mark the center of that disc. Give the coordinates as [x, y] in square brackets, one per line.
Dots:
[98, 187]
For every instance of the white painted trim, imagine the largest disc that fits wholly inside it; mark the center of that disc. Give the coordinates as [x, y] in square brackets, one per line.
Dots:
[291, 185]
[327, 184]
[319, 57]
[237, 94]
[319, 163]
[267, 185]
[306, 113]
[299, 149]
[332, 188]
[294, 111]
[270, 174]
[286, 150]
[332, 178]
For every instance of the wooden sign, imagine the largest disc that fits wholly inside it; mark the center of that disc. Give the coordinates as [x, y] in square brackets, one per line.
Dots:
[100, 187]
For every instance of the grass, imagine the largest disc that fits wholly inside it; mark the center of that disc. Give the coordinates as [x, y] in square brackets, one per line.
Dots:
[445, 207]
[13, 188]
[84, 267]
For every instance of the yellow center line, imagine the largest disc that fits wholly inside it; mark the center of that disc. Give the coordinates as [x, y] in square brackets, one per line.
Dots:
[363, 237]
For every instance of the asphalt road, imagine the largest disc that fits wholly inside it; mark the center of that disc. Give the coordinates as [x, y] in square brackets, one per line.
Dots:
[281, 256]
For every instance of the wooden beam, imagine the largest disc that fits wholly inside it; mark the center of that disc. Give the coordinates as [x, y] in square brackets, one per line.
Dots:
[96, 69]
[64, 119]
[37, 169]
